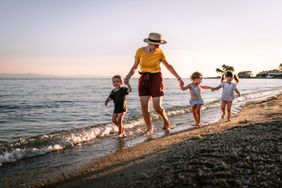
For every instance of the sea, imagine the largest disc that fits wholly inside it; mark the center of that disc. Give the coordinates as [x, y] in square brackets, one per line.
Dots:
[62, 122]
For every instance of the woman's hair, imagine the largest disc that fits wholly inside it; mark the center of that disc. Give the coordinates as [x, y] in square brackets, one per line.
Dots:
[196, 75]
[230, 74]
[118, 77]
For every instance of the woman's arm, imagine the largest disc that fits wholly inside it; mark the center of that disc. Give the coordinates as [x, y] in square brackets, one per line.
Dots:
[173, 72]
[132, 71]
[183, 88]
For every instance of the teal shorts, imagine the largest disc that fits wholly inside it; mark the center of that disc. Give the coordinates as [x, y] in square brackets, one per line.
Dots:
[195, 102]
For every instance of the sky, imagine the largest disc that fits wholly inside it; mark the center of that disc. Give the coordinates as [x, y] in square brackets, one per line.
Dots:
[100, 37]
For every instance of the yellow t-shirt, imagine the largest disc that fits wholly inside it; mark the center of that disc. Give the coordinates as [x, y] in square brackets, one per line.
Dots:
[150, 62]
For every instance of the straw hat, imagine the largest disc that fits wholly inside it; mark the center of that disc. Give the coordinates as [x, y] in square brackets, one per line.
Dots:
[154, 38]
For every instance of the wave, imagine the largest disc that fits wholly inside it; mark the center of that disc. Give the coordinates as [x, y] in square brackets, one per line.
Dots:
[41, 145]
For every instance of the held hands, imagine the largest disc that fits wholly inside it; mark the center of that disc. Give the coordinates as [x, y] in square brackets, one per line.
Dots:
[181, 83]
[126, 80]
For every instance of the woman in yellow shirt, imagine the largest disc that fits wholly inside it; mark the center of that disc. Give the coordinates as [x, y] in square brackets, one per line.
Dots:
[149, 59]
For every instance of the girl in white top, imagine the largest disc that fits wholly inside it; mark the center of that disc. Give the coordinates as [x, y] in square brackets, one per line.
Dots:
[227, 96]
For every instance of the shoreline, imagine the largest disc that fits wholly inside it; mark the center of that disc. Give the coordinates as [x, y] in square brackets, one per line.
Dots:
[136, 166]
[131, 164]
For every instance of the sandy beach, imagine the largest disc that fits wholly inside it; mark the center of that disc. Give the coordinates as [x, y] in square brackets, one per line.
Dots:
[246, 152]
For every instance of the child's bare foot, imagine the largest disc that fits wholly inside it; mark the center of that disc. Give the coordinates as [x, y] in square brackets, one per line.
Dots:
[149, 132]
[222, 115]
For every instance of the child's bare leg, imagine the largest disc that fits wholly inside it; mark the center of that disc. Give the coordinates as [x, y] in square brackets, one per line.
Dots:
[229, 105]
[114, 118]
[120, 124]
[223, 105]
[198, 114]
[194, 113]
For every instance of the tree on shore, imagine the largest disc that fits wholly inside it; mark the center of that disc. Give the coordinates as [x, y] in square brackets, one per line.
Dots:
[224, 68]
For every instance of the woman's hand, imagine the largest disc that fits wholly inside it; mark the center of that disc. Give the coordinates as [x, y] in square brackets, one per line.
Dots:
[181, 83]
[126, 80]
[132, 70]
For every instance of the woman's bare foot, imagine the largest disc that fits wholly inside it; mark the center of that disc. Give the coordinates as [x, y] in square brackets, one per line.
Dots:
[172, 126]
[166, 126]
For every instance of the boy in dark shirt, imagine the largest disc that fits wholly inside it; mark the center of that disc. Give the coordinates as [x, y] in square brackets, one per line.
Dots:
[118, 96]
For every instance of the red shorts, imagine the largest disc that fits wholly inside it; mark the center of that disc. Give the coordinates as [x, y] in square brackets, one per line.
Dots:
[151, 84]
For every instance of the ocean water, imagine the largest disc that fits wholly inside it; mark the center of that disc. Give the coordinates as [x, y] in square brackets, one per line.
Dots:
[42, 115]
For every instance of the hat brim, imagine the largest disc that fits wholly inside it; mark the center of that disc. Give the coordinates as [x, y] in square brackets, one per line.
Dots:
[156, 43]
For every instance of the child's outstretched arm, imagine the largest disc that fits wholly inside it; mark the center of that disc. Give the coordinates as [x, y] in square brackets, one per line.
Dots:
[237, 92]
[183, 88]
[107, 101]
[128, 86]
[206, 87]
[216, 88]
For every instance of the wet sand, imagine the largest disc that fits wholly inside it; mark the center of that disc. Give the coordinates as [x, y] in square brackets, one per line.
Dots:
[246, 152]
[243, 153]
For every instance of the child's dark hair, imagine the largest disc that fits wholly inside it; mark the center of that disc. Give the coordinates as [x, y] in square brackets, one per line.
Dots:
[196, 75]
[230, 74]
[118, 77]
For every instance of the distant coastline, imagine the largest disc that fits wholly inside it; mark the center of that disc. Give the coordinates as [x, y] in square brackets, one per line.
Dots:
[33, 76]
[48, 76]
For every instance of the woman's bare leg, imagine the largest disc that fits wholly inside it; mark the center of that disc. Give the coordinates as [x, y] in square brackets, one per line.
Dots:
[157, 105]
[144, 101]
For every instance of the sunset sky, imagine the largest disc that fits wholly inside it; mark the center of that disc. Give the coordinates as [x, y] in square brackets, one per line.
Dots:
[100, 37]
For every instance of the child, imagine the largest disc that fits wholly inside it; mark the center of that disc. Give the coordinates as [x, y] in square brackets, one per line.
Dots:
[196, 95]
[227, 96]
[118, 96]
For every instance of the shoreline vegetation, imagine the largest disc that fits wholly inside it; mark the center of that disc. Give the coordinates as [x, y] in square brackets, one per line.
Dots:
[245, 152]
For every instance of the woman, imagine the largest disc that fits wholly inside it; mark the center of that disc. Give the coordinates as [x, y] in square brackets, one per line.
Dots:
[149, 59]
